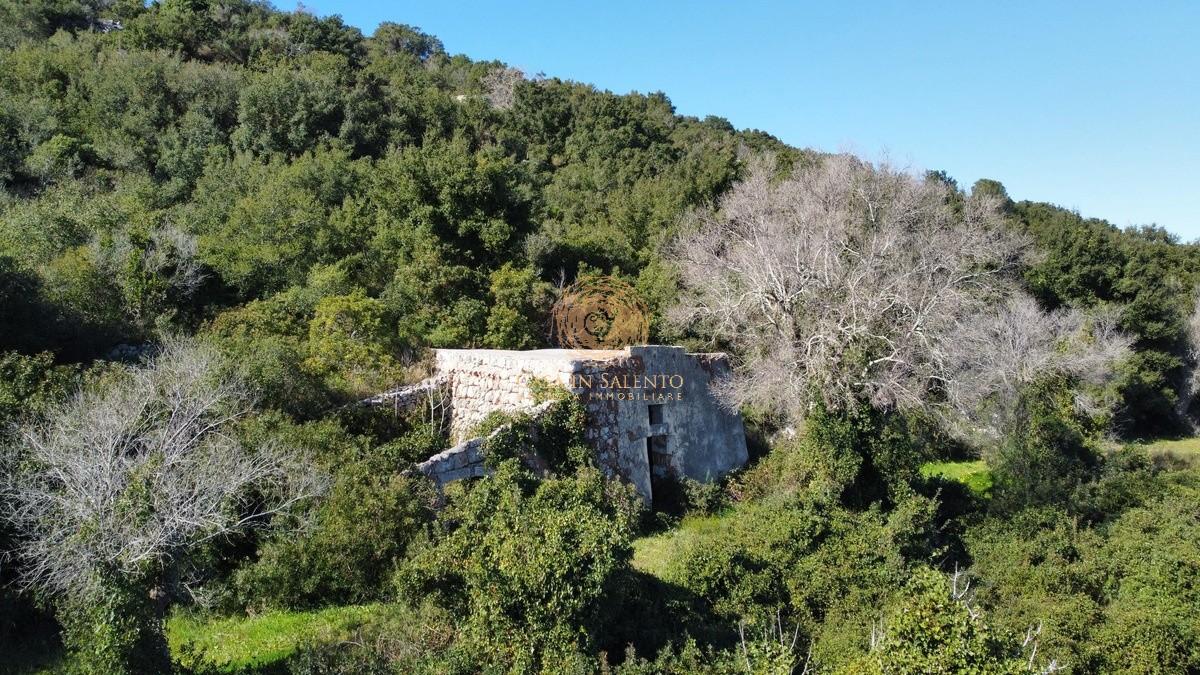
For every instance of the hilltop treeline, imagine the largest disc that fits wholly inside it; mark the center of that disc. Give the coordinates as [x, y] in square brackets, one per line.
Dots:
[278, 200]
[202, 164]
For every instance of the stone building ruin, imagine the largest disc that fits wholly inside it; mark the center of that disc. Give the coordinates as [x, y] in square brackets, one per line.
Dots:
[651, 410]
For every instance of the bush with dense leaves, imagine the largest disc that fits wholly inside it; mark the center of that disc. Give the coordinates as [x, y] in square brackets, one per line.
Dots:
[359, 532]
[1116, 596]
[930, 630]
[534, 568]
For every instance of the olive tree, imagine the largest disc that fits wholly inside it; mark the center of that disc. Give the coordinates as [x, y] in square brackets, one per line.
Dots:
[112, 490]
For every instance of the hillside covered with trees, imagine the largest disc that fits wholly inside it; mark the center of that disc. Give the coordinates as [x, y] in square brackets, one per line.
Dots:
[221, 225]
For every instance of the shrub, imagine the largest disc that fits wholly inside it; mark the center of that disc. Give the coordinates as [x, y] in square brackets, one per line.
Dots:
[1113, 597]
[533, 567]
[350, 341]
[113, 627]
[360, 530]
[932, 630]
[555, 438]
[1047, 455]
[853, 456]
[30, 384]
[704, 498]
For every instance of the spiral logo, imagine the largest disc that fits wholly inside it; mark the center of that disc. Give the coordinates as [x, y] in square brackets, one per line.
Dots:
[600, 313]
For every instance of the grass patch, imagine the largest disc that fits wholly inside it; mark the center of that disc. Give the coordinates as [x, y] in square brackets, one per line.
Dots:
[256, 641]
[1186, 449]
[652, 554]
[975, 475]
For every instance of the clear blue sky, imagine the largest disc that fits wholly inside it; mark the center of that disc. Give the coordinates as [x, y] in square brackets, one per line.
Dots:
[1094, 106]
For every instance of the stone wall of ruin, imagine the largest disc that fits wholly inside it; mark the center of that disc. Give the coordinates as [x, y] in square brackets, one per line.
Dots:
[464, 460]
[481, 381]
[467, 459]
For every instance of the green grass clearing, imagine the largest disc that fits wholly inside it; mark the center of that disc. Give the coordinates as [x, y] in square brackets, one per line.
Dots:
[652, 554]
[1187, 449]
[245, 641]
[975, 474]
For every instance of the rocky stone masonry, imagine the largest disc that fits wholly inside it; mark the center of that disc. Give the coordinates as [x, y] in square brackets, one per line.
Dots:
[466, 460]
[484, 380]
[675, 427]
[410, 395]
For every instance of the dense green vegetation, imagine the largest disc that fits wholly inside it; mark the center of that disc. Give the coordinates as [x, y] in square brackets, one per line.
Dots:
[319, 208]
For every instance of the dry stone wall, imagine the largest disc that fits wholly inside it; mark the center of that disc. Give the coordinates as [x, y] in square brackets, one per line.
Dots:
[467, 459]
[410, 395]
[464, 460]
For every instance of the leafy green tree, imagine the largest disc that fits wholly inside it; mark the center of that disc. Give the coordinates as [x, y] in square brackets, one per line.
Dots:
[1088, 263]
[183, 26]
[518, 315]
[186, 147]
[994, 189]
[30, 385]
[351, 339]
[279, 220]
[307, 32]
[1047, 455]
[289, 109]
[819, 567]
[87, 300]
[392, 39]
[61, 157]
[359, 533]
[532, 566]
[268, 339]
[39, 19]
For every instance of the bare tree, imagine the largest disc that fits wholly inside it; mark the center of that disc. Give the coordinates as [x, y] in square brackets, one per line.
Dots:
[855, 283]
[167, 251]
[500, 86]
[842, 279]
[168, 254]
[127, 478]
[1191, 385]
[992, 354]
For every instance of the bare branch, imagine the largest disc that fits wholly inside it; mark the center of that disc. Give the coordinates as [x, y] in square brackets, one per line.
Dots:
[127, 478]
[500, 86]
[851, 284]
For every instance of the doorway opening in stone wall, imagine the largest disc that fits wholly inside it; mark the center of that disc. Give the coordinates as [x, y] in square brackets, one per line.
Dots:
[661, 483]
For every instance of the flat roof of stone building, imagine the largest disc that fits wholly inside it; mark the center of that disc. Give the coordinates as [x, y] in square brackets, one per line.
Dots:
[564, 356]
[545, 354]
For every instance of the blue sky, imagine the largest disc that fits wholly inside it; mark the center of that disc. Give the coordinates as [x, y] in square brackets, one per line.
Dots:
[1093, 106]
